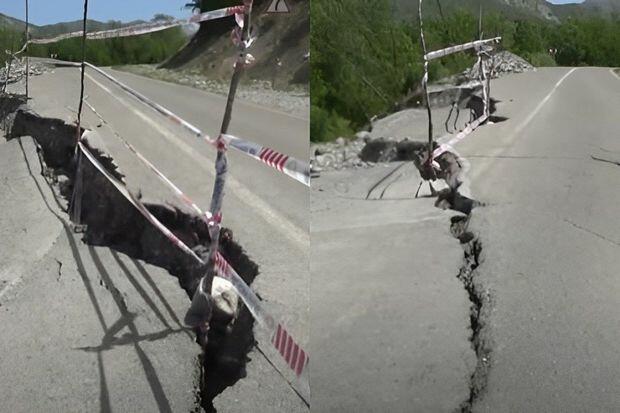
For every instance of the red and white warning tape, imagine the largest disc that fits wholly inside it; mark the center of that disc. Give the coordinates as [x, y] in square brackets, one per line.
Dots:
[146, 28]
[445, 147]
[458, 48]
[296, 358]
[223, 268]
[152, 167]
[300, 171]
[134, 201]
[294, 168]
[153, 105]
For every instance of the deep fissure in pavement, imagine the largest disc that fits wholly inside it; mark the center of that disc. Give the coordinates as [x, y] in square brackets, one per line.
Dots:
[110, 220]
[452, 171]
[480, 303]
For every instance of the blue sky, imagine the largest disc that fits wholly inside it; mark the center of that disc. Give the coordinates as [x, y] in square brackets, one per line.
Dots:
[55, 11]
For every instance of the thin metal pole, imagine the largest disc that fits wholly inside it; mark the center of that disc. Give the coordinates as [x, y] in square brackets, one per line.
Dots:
[441, 12]
[480, 22]
[79, 118]
[489, 76]
[483, 58]
[221, 162]
[239, 69]
[27, 57]
[7, 73]
[76, 198]
[425, 85]
[481, 74]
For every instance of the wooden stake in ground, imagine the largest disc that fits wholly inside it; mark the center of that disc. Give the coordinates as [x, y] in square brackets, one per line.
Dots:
[429, 161]
[27, 40]
[79, 118]
[202, 302]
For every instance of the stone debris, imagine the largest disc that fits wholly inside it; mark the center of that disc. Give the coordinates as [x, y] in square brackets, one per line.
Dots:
[365, 151]
[339, 154]
[362, 152]
[504, 63]
[18, 70]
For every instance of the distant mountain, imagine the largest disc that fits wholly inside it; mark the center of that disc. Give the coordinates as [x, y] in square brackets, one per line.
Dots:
[520, 9]
[11, 23]
[603, 6]
[600, 8]
[52, 30]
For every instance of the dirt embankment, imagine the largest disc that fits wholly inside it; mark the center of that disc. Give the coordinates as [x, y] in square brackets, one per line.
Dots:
[281, 47]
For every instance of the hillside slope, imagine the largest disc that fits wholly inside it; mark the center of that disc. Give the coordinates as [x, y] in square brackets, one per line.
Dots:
[50, 30]
[280, 49]
[539, 9]
[8, 22]
[600, 8]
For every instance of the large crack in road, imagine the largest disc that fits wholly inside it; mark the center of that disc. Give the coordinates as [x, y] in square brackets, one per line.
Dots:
[453, 170]
[456, 168]
[480, 303]
[109, 220]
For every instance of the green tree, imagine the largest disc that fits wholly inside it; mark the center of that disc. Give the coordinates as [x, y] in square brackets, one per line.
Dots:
[364, 58]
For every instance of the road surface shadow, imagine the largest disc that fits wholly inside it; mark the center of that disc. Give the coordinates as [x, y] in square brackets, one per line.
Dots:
[111, 221]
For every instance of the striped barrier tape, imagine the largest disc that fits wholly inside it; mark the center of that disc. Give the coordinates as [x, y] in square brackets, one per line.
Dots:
[300, 171]
[445, 147]
[152, 167]
[292, 353]
[153, 105]
[297, 364]
[146, 28]
[296, 358]
[134, 201]
[294, 168]
[459, 48]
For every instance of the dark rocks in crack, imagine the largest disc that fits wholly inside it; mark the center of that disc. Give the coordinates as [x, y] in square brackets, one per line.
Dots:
[389, 150]
[452, 199]
[479, 310]
[54, 136]
[9, 104]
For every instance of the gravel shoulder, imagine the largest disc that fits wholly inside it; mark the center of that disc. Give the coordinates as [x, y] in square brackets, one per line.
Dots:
[295, 101]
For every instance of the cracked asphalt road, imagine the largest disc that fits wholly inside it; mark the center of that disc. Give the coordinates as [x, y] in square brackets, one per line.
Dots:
[551, 237]
[262, 205]
[389, 318]
[67, 343]
[550, 263]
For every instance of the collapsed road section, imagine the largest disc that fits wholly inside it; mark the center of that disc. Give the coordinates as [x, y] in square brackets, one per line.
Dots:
[108, 219]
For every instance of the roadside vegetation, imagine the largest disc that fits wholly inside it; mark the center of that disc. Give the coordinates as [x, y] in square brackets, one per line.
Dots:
[148, 48]
[365, 59]
[9, 40]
